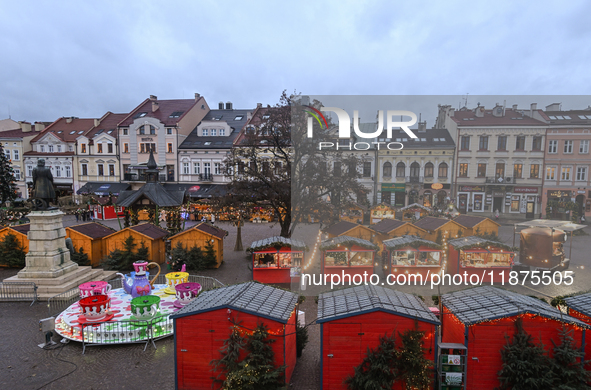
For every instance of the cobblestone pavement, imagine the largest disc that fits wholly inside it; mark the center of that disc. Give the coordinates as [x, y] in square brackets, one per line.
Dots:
[23, 365]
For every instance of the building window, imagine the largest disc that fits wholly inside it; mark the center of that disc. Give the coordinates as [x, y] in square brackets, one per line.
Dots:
[207, 169]
[169, 148]
[463, 172]
[502, 143]
[100, 170]
[15, 154]
[17, 174]
[481, 170]
[50, 148]
[59, 148]
[84, 169]
[185, 168]
[583, 147]
[565, 174]
[42, 149]
[581, 173]
[520, 142]
[465, 143]
[515, 203]
[537, 143]
[109, 148]
[58, 171]
[168, 131]
[553, 146]
[568, 146]
[99, 148]
[142, 130]
[68, 171]
[442, 170]
[152, 130]
[500, 170]
[142, 148]
[367, 169]
[124, 131]
[204, 132]
[400, 169]
[534, 171]
[550, 173]
[517, 171]
[126, 148]
[82, 148]
[387, 169]
[29, 170]
[217, 168]
[415, 170]
[483, 143]
[111, 170]
[214, 132]
[71, 148]
[196, 168]
[222, 132]
[429, 169]
[145, 148]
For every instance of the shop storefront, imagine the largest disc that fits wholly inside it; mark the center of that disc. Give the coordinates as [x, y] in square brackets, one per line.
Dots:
[276, 260]
[471, 199]
[393, 194]
[524, 200]
[556, 204]
[435, 195]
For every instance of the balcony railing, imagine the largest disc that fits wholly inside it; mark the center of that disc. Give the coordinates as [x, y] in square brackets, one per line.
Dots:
[205, 177]
[414, 179]
[133, 177]
[500, 180]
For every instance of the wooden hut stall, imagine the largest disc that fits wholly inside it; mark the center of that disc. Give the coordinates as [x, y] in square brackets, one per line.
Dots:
[198, 236]
[276, 259]
[476, 255]
[20, 232]
[480, 318]
[413, 255]
[381, 211]
[414, 211]
[440, 228]
[90, 237]
[353, 319]
[151, 236]
[478, 225]
[262, 214]
[344, 255]
[105, 210]
[350, 229]
[579, 307]
[354, 213]
[390, 228]
[202, 326]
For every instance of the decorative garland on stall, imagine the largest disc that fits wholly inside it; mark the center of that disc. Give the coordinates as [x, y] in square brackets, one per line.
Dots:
[416, 244]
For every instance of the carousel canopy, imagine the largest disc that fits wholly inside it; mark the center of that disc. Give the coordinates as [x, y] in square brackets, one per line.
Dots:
[481, 304]
[562, 225]
[334, 243]
[277, 241]
[412, 241]
[363, 299]
[475, 241]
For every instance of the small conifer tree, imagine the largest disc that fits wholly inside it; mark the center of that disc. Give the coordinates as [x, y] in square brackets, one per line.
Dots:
[568, 365]
[209, 258]
[13, 253]
[415, 369]
[80, 258]
[379, 368]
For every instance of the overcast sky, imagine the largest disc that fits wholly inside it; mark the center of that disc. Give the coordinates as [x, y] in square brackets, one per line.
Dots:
[76, 58]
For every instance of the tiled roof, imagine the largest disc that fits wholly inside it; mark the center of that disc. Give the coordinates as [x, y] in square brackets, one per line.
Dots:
[431, 223]
[473, 241]
[428, 139]
[164, 111]
[206, 228]
[481, 304]
[193, 141]
[571, 117]
[404, 240]
[150, 230]
[387, 225]
[108, 124]
[580, 303]
[18, 133]
[340, 227]
[271, 241]
[92, 230]
[254, 298]
[24, 228]
[511, 118]
[470, 221]
[367, 298]
[67, 132]
[348, 241]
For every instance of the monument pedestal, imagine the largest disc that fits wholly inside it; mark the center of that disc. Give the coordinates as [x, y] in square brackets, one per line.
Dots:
[48, 263]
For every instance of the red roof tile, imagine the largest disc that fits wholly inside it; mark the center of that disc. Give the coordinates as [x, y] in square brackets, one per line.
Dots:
[18, 133]
[387, 225]
[108, 123]
[93, 230]
[511, 118]
[165, 109]
[67, 132]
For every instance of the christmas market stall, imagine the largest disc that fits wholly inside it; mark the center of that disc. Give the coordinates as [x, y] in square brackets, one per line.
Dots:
[350, 229]
[476, 226]
[413, 255]
[204, 326]
[353, 212]
[103, 208]
[440, 228]
[276, 259]
[482, 318]
[151, 236]
[414, 212]
[19, 231]
[353, 320]
[391, 228]
[579, 306]
[491, 260]
[202, 235]
[381, 211]
[262, 214]
[89, 238]
[345, 255]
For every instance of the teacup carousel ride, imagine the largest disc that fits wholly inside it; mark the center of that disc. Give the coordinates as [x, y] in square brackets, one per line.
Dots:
[136, 312]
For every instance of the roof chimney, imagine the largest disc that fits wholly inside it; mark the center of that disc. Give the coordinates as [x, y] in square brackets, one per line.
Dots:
[514, 107]
[39, 126]
[423, 126]
[153, 97]
[154, 106]
[97, 122]
[228, 105]
[533, 107]
[25, 126]
[197, 96]
[259, 105]
[479, 111]
[69, 119]
[221, 105]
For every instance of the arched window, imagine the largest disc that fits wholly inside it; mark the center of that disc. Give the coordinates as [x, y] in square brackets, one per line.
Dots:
[400, 168]
[443, 170]
[387, 169]
[429, 169]
[415, 169]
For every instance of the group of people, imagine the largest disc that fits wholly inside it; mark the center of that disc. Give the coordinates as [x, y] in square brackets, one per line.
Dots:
[83, 215]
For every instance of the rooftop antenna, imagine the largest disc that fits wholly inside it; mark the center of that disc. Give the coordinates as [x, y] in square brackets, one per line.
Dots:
[466, 101]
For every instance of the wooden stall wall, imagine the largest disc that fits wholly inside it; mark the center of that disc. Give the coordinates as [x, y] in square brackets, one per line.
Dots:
[156, 247]
[21, 238]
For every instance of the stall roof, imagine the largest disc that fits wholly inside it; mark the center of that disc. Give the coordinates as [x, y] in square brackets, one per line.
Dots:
[92, 230]
[472, 241]
[367, 298]
[155, 192]
[470, 221]
[103, 189]
[150, 230]
[347, 240]
[411, 206]
[567, 226]
[580, 303]
[481, 304]
[251, 297]
[403, 241]
[432, 223]
[205, 227]
[23, 229]
[386, 225]
[276, 241]
[340, 227]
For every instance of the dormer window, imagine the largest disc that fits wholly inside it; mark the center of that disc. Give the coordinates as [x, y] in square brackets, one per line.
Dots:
[140, 115]
[222, 132]
[83, 148]
[214, 132]
[42, 148]
[50, 148]
[73, 132]
[205, 132]
[239, 117]
[59, 148]
[176, 114]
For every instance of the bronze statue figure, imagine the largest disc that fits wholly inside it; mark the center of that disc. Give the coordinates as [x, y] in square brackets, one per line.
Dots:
[42, 186]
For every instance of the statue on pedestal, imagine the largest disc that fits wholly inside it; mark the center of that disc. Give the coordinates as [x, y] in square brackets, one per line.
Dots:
[43, 191]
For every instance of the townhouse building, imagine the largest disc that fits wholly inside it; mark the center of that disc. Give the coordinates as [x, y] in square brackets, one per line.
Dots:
[161, 126]
[566, 161]
[499, 158]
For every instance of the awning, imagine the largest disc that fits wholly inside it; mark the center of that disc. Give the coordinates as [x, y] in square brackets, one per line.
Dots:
[102, 189]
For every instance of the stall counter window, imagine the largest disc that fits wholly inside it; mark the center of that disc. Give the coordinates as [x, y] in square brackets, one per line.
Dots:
[276, 266]
[485, 259]
[414, 258]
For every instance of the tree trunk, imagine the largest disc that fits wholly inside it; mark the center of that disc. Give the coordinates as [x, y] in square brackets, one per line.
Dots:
[238, 246]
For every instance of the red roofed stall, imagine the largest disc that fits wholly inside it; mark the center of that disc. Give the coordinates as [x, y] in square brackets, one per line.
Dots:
[491, 261]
